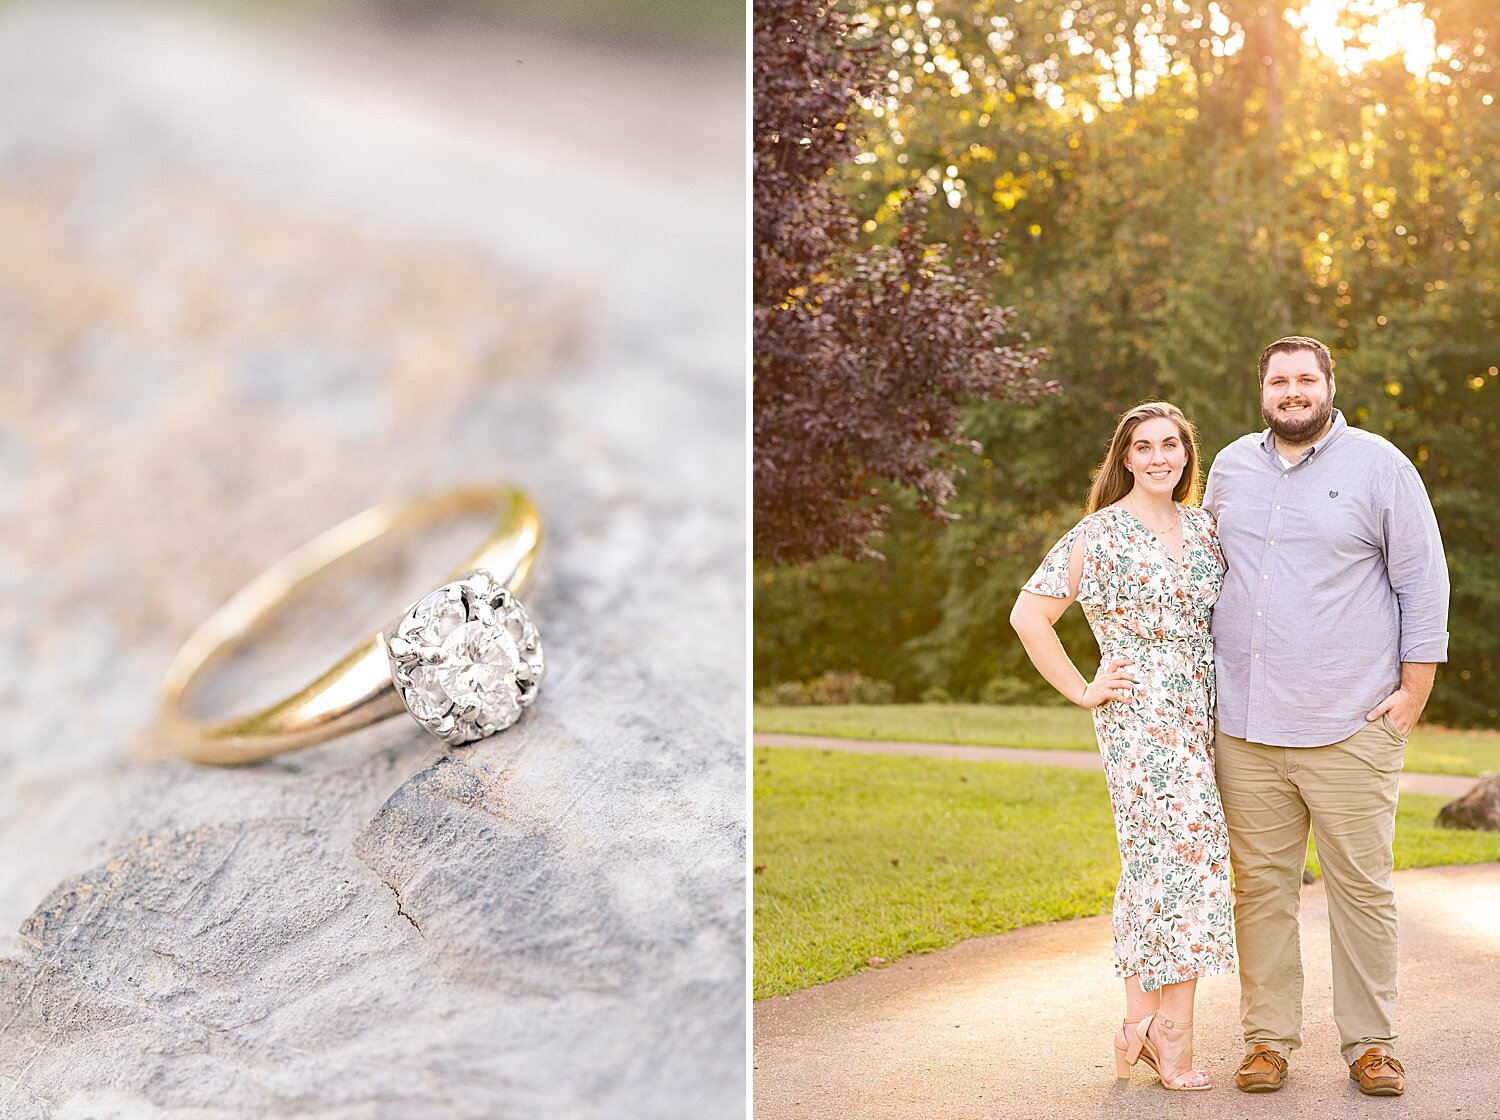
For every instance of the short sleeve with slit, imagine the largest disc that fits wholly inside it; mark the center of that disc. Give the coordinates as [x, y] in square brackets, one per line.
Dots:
[1051, 579]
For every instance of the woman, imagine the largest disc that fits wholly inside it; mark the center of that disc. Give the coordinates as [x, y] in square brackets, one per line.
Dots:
[1146, 568]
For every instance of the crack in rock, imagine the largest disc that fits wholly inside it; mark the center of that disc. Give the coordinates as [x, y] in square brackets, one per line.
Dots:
[400, 909]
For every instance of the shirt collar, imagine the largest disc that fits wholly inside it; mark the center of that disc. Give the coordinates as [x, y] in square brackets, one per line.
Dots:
[1268, 444]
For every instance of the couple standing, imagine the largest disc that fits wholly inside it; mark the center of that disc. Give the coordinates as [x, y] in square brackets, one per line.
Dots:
[1316, 559]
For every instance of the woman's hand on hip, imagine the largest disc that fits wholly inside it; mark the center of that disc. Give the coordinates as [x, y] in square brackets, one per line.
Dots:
[1114, 681]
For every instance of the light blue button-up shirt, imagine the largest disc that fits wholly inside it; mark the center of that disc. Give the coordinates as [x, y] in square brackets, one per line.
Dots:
[1336, 576]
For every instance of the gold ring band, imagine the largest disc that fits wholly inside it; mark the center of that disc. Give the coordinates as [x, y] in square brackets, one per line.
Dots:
[359, 689]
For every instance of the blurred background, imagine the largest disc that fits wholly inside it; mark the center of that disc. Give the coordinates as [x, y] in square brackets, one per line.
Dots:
[984, 230]
[265, 266]
[1175, 185]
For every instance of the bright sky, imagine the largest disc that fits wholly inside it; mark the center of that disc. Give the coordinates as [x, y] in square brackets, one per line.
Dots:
[1353, 34]
[1397, 27]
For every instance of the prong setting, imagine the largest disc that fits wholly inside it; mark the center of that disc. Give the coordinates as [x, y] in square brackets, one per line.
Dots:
[466, 659]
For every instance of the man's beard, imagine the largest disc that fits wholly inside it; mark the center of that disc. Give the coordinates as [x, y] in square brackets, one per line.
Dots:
[1301, 426]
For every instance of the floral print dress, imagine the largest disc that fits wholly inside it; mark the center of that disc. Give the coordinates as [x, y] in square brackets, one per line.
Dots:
[1172, 916]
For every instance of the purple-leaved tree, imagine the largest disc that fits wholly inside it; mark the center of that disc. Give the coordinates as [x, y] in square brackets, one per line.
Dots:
[864, 356]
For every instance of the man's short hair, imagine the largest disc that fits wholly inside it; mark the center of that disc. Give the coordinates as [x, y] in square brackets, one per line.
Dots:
[1290, 345]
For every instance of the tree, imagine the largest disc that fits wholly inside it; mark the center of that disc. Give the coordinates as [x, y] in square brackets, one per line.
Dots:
[1167, 219]
[864, 356]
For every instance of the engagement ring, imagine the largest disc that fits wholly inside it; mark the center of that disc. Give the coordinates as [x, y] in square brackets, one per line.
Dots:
[464, 660]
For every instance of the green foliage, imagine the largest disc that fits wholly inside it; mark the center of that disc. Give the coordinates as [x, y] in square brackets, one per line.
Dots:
[849, 688]
[809, 617]
[787, 694]
[830, 688]
[1163, 228]
[864, 355]
[1008, 690]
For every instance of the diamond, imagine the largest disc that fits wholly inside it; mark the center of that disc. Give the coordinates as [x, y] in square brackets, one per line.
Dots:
[434, 618]
[480, 671]
[466, 658]
[426, 698]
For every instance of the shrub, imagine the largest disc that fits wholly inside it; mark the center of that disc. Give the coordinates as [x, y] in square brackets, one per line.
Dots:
[830, 688]
[849, 688]
[1006, 690]
[936, 695]
[787, 694]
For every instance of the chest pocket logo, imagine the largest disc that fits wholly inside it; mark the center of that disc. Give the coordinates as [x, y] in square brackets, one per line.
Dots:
[1333, 493]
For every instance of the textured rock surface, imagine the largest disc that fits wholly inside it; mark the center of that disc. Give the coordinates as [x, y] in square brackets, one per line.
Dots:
[251, 285]
[1477, 809]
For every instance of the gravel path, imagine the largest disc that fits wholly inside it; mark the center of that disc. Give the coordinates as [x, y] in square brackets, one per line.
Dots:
[1018, 1026]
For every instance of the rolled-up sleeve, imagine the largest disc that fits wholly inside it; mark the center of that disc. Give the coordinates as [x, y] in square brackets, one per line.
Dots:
[1418, 569]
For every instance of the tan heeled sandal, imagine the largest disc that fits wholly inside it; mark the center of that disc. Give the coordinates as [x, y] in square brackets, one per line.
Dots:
[1123, 1063]
[1145, 1050]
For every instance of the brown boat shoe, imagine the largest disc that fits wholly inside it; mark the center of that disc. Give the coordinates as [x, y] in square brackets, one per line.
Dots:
[1262, 1071]
[1379, 1074]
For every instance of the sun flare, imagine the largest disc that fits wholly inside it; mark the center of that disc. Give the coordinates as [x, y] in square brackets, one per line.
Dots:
[1355, 33]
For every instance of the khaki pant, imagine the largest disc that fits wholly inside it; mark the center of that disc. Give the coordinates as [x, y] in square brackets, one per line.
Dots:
[1347, 792]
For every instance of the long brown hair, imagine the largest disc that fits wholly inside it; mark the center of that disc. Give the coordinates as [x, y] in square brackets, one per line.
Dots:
[1112, 481]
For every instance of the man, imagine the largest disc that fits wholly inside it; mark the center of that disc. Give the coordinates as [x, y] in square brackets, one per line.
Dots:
[1327, 636]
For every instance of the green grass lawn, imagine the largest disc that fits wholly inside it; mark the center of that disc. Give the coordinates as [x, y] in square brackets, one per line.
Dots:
[1432, 750]
[861, 856]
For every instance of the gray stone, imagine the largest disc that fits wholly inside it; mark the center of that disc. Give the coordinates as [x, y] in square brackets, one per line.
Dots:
[253, 283]
[1477, 809]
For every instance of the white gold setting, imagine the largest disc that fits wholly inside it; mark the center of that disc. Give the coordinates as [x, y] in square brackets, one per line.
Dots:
[466, 659]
